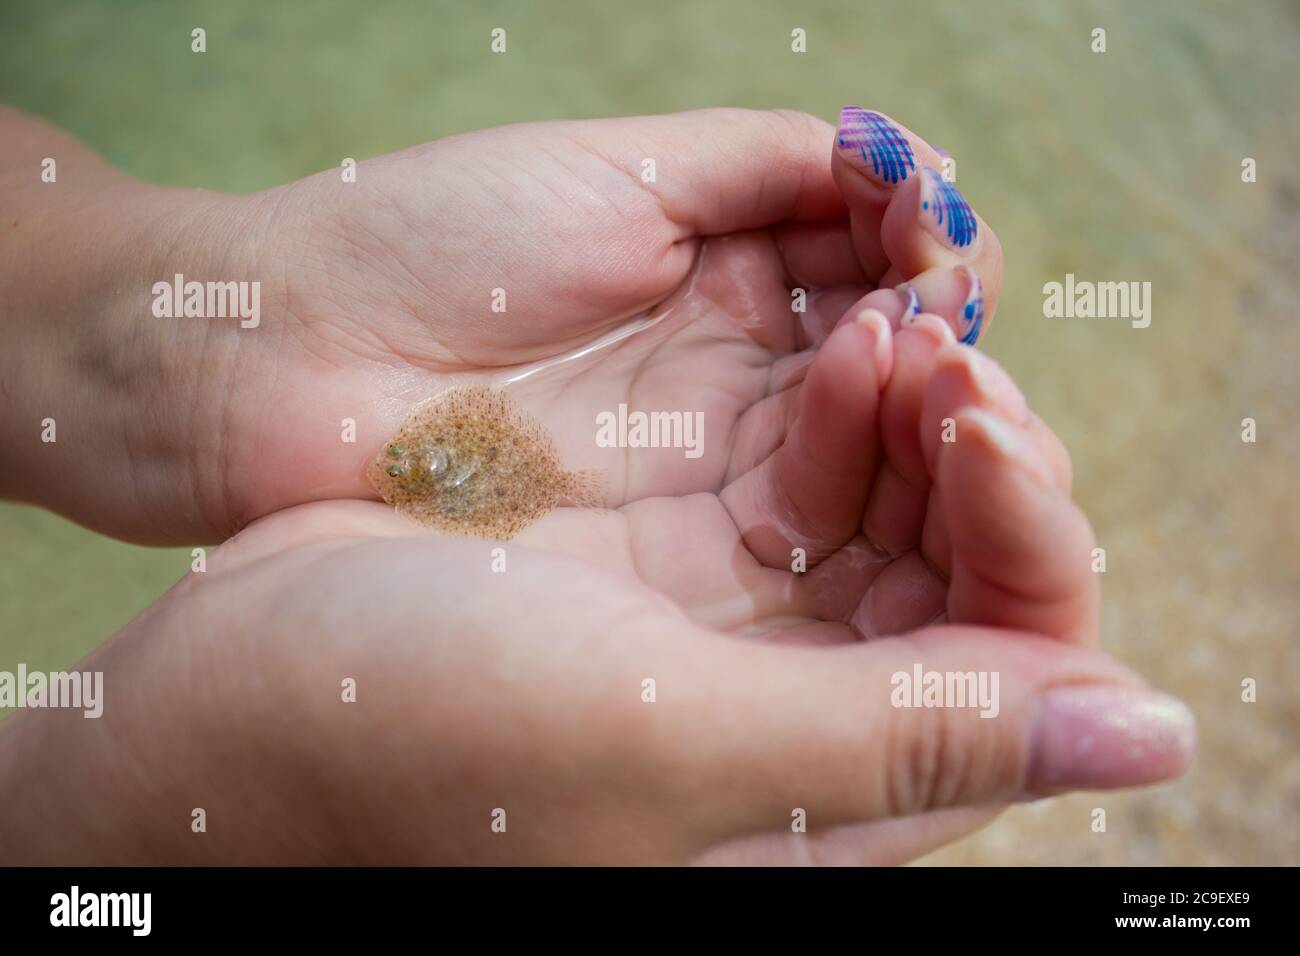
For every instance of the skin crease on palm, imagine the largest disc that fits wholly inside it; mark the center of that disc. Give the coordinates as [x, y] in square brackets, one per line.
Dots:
[821, 432]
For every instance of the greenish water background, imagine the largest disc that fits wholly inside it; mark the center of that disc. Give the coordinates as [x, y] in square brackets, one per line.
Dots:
[1116, 166]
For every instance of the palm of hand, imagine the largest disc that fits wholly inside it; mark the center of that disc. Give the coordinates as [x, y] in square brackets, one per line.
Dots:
[378, 328]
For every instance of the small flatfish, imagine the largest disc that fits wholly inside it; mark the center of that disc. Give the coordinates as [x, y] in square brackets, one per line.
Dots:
[471, 462]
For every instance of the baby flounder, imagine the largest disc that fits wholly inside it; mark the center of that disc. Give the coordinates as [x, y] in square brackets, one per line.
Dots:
[471, 462]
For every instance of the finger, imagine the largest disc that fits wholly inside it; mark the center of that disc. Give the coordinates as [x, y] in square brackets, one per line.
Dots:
[838, 732]
[765, 424]
[896, 507]
[907, 594]
[809, 494]
[929, 224]
[884, 584]
[873, 157]
[818, 254]
[964, 377]
[745, 271]
[890, 303]
[956, 294]
[824, 310]
[1021, 549]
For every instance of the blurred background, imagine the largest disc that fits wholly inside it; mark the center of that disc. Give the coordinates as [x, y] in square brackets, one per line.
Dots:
[1116, 166]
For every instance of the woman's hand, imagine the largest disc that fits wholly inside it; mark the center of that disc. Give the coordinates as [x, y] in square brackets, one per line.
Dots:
[375, 292]
[523, 688]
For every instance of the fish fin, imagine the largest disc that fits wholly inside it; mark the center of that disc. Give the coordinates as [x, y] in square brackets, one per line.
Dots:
[586, 489]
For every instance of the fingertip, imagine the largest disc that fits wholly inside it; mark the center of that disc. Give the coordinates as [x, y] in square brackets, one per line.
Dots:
[933, 327]
[848, 372]
[879, 150]
[1100, 737]
[944, 213]
[873, 159]
[970, 317]
[929, 225]
[954, 293]
[891, 303]
[1021, 546]
[882, 345]
[912, 301]
[965, 376]
[915, 346]
[987, 435]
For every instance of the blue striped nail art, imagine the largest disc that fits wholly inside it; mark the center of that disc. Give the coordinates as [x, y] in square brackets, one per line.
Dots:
[972, 313]
[913, 300]
[876, 145]
[947, 210]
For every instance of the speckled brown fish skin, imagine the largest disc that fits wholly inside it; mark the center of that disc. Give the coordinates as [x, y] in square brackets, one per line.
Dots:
[471, 462]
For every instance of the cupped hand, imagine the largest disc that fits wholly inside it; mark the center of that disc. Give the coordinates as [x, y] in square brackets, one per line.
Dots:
[379, 293]
[339, 687]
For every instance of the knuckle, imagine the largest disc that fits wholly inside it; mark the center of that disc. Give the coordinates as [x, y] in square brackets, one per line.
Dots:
[942, 757]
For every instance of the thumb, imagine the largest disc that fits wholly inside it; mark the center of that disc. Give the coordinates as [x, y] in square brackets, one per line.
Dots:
[849, 735]
[724, 170]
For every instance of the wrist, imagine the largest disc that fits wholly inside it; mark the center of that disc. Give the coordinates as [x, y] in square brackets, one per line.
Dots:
[102, 394]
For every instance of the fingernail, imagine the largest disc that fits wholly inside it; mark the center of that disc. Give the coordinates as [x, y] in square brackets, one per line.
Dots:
[1103, 737]
[913, 300]
[972, 313]
[946, 214]
[875, 320]
[938, 330]
[997, 431]
[874, 145]
[993, 385]
[1010, 442]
